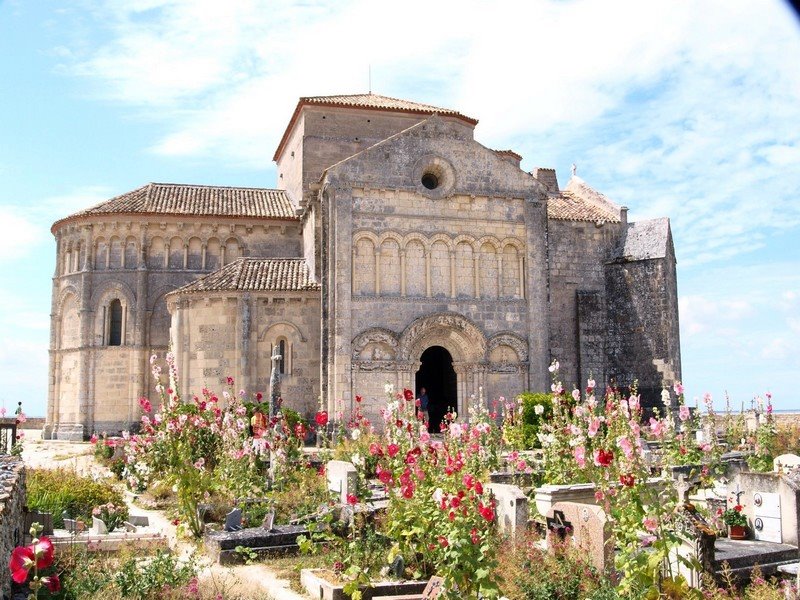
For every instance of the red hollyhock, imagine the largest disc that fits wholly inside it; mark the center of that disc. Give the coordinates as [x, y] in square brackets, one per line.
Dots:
[627, 480]
[392, 450]
[52, 583]
[359, 398]
[44, 553]
[478, 488]
[375, 449]
[321, 418]
[603, 458]
[408, 394]
[352, 499]
[22, 561]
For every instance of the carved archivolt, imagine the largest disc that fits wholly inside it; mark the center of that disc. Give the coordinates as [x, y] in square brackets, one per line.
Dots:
[517, 343]
[460, 336]
[264, 335]
[380, 344]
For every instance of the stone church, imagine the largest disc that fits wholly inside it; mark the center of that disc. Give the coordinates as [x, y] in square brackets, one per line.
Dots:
[396, 248]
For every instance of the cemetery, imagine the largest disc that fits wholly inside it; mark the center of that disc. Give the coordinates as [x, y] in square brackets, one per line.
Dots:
[600, 502]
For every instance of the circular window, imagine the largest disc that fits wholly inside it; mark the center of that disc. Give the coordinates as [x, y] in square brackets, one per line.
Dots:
[434, 176]
[430, 181]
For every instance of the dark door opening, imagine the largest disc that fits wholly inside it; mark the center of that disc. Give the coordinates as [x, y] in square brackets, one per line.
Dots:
[437, 376]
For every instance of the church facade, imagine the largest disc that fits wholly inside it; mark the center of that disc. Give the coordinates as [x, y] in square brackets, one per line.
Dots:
[396, 249]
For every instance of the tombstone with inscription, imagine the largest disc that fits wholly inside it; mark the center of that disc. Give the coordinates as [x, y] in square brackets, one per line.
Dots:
[785, 462]
[586, 527]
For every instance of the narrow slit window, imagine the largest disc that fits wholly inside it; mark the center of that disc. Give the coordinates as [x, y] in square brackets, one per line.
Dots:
[115, 323]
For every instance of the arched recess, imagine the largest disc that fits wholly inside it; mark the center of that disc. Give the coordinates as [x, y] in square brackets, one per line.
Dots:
[131, 254]
[457, 334]
[155, 253]
[160, 320]
[416, 271]
[440, 268]
[465, 270]
[115, 253]
[284, 335]
[364, 265]
[104, 312]
[100, 254]
[213, 250]
[510, 340]
[195, 260]
[390, 266]
[511, 280]
[69, 334]
[375, 343]
[66, 262]
[176, 253]
[488, 269]
[233, 250]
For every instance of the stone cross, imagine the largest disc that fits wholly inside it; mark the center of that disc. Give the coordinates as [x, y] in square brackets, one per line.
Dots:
[574, 169]
[274, 382]
[683, 488]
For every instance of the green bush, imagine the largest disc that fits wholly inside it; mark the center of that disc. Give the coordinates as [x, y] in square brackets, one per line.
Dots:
[58, 490]
[531, 421]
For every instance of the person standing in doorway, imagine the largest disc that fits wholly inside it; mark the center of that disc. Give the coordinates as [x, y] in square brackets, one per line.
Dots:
[423, 404]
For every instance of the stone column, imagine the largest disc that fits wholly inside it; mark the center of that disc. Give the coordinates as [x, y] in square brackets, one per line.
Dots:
[452, 273]
[203, 261]
[521, 278]
[377, 271]
[500, 275]
[427, 272]
[185, 256]
[402, 272]
[476, 273]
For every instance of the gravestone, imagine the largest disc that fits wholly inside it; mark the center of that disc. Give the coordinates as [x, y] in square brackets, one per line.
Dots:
[785, 462]
[268, 521]
[70, 525]
[99, 526]
[512, 508]
[434, 588]
[129, 527]
[588, 530]
[139, 520]
[233, 520]
[342, 478]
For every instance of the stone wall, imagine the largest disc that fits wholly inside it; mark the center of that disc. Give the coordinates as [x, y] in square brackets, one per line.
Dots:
[12, 504]
[212, 341]
[94, 386]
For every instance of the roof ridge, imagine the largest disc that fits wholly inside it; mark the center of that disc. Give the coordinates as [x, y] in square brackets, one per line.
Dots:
[210, 186]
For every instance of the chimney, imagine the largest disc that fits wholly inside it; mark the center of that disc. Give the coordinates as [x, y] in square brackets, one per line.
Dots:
[623, 215]
[509, 156]
[547, 177]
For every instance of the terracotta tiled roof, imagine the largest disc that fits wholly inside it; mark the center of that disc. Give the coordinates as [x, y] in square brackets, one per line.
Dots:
[368, 102]
[567, 206]
[256, 275]
[199, 200]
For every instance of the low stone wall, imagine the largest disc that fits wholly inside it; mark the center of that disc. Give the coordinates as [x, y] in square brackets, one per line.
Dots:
[12, 502]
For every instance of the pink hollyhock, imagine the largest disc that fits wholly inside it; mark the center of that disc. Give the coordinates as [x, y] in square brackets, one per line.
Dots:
[678, 388]
[650, 524]
[375, 449]
[626, 446]
[657, 427]
[594, 426]
[229, 380]
[683, 412]
[576, 395]
[93, 439]
[468, 481]
[22, 561]
[579, 452]
[443, 541]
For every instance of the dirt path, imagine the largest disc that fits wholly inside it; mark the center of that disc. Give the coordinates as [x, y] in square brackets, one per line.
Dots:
[250, 581]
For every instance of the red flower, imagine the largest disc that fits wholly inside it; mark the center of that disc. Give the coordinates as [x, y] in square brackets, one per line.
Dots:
[738, 508]
[627, 480]
[407, 491]
[384, 475]
[478, 488]
[408, 394]
[259, 396]
[52, 583]
[455, 501]
[230, 380]
[352, 499]
[392, 450]
[474, 536]
[22, 561]
[443, 541]
[603, 458]
[468, 481]
[375, 449]
[487, 512]
[399, 423]
[44, 552]
[322, 418]
[300, 431]
[359, 398]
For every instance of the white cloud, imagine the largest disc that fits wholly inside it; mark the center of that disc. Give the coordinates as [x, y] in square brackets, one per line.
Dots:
[19, 234]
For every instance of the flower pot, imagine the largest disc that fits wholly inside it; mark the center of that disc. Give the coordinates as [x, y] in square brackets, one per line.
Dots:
[737, 532]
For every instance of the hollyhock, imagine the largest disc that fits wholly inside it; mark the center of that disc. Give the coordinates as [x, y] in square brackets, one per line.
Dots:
[375, 449]
[352, 499]
[230, 381]
[602, 457]
[52, 583]
[590, 385]
[145, 404]
[576, 395]
[358, 398]
[657, 427]
[594, 426]
[626, 446]
[22, 561]
[392, 450]
[684, 413]
[321, 418]
[44, 552]
[408, 394]
[678, 388]
[627, 480]
[93, 439]
[580, 456]
[473, 535]
[553, 366]
[650, 524]
[478, 488]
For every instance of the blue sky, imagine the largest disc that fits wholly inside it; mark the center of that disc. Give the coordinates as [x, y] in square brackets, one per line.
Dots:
[686, 110]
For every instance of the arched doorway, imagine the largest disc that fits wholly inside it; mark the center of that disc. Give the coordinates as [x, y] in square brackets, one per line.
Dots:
[437, 376]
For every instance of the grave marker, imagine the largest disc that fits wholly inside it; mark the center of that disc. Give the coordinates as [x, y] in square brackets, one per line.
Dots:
[587, 528]
[342, 478]
[99, 526]
[233, 520]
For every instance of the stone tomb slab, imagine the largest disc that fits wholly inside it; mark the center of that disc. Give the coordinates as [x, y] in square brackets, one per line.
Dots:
[588, 530]
[281, 539]
[512, 508]
[342, 478]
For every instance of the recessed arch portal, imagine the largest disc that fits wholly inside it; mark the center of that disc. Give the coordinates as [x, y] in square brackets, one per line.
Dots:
[437, 375]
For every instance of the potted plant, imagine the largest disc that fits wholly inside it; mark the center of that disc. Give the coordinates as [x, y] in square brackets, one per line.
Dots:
[736, 521]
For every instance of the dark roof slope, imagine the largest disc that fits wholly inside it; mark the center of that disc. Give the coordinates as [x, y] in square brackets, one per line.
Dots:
[197, 200]
[256, 275]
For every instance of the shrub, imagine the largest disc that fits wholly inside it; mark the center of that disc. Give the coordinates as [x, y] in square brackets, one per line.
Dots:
[537, 408]
[59, 490]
